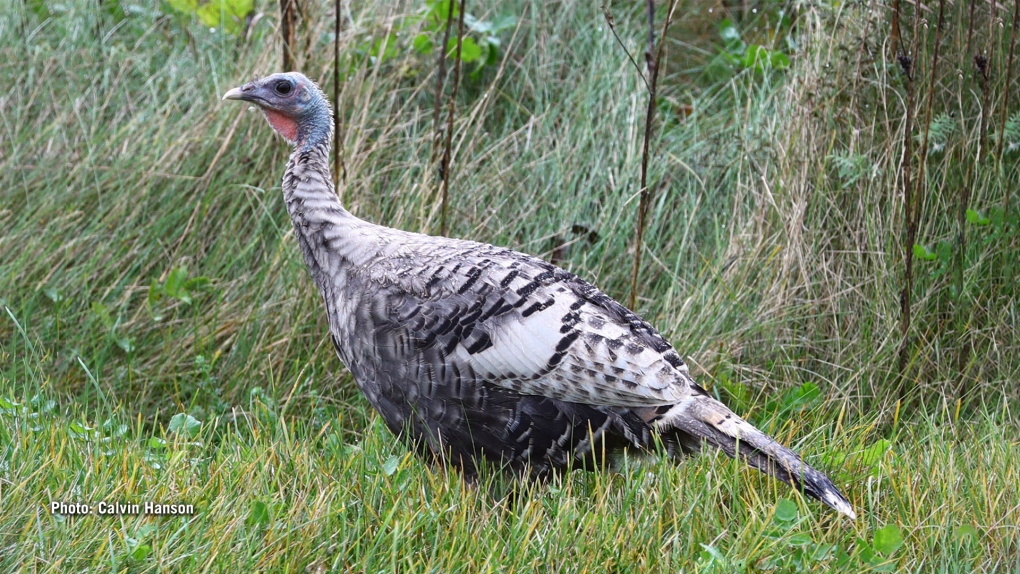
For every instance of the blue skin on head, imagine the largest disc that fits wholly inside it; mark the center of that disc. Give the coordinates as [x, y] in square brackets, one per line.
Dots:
[293, 104]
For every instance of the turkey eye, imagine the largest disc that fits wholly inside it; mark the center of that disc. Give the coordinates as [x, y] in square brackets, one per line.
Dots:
[283, 88]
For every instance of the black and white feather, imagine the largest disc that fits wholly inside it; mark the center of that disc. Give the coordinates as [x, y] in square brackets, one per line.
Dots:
[480, 352]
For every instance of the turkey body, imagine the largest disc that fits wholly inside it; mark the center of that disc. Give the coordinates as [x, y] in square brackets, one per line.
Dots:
[476, 352]
[480, 351]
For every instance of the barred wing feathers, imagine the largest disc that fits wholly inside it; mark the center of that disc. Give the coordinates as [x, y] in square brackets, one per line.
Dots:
[524, 325]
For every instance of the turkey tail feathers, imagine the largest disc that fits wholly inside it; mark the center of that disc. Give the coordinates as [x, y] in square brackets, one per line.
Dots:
[708, 421]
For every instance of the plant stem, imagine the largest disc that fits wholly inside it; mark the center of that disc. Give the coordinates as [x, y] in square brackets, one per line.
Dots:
[970, 25]
[1010, 267]
[1005, 95]
[981, 64]
[906, 63]
[894, 31]
[440, 78]
[653, 58]
[444, 171]
[288, 8]
[339, 168]
[612, 28]
[913, 207]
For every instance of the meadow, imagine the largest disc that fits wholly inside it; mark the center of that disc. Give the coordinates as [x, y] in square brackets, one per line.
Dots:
[816, 170]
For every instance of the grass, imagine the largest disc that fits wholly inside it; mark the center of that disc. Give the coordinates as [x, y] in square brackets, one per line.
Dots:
[275, 493]
[147, 270]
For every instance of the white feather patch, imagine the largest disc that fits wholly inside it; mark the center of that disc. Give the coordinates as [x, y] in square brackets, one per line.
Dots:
[522, 349]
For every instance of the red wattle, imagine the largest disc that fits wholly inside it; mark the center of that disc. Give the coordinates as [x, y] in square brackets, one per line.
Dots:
[284, 125]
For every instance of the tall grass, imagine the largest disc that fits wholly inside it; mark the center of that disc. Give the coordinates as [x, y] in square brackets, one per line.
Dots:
[774, 258]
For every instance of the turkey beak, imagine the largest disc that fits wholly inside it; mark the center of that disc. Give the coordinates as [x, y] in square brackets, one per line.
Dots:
[246, 92]
[235, 94]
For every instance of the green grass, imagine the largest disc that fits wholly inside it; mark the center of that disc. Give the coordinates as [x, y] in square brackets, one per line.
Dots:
[147, 270]
[273, 492]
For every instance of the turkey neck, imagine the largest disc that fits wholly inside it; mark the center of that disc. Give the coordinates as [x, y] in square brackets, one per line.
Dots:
[326, 232]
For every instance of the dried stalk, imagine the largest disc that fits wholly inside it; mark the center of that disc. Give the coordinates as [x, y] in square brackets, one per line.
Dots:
[288, 18]
[912, 209]
[981, 64]
[970, 25]
[444, 170]
[894, 31]
[612, 28]
[1005, 96]
[653, 57]
[440, 78]
[908, 242]
[906, 63]
[339, 168]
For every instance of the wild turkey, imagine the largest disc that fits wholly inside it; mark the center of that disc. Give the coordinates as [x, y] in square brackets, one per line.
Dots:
[476, 351]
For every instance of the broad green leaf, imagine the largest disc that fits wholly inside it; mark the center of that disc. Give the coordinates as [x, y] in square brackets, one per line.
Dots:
[843, 558]
[755, 56]
[921, 252]
[799, 397]
[888, 539]
[779, 60]
[184, 6]
[806, 393]
[185, 424]
[490, 52]
[240, 8]
[227, 15]
[196, 283]
[156, 292]
[141, 552]
[175, 280]
[800, 539]
[391, 465]
[53, 294]
[823, 552]
[209, 14]
[422, 44]
[786, 511]
[469, 51]
[976, 218]
[728, 32]
[874, 453]
[125, 344]
[864, 551]
[440, 10]
[79, 430]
